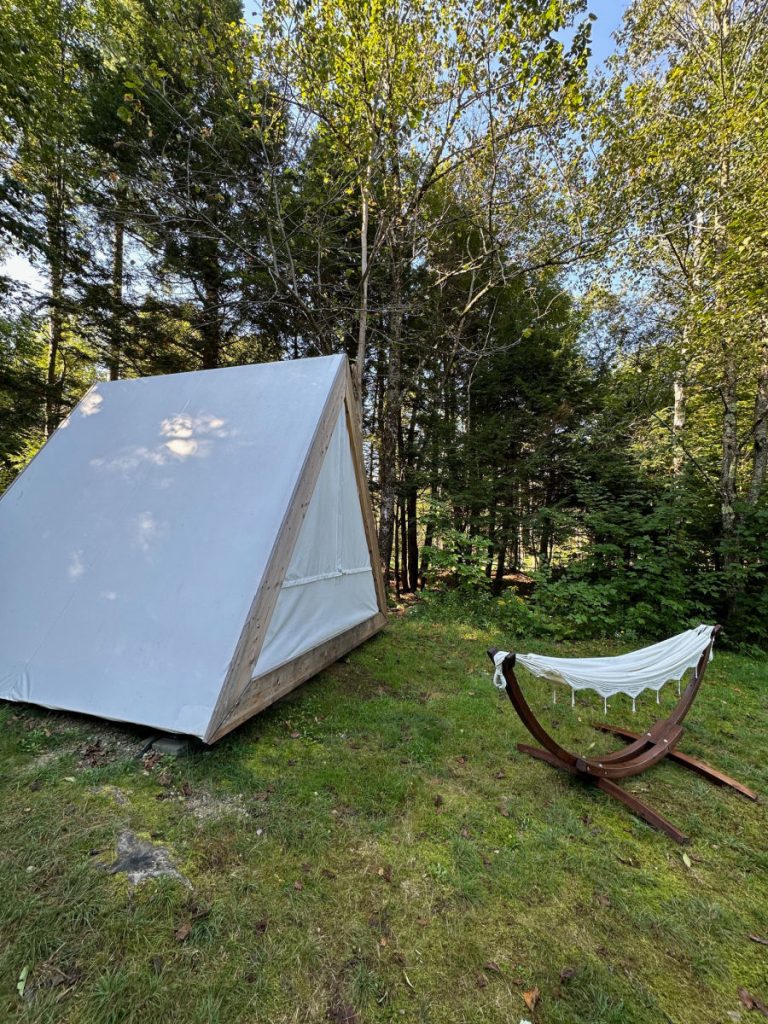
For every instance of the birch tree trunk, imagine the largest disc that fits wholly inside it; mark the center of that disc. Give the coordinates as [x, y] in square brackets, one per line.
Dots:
[358, 376]
[760, 425]
[678, 425]
[730, 457]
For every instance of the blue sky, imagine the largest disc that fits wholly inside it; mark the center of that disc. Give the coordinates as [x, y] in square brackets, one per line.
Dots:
[609, 14]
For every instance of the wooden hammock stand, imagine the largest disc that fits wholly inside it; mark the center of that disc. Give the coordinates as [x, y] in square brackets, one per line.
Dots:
[642, 751]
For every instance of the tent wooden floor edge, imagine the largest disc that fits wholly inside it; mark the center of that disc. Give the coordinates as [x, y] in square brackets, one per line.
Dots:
[264, 690]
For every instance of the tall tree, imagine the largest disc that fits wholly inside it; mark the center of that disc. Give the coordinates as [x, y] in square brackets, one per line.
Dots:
[46, 47]
[406, 96]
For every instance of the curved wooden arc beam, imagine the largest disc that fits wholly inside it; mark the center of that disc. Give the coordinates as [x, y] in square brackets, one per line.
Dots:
[640, 754]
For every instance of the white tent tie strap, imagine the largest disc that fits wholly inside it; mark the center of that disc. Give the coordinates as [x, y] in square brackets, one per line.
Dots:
[647, 669]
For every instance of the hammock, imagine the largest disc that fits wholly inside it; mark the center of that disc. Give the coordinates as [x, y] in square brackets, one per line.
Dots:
[632, 673]
[647, 669]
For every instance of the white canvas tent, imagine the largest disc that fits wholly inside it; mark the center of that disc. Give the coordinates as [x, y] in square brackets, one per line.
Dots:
[186, 549]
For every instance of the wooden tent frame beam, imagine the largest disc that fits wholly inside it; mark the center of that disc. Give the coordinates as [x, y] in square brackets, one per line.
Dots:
[642, 751]
[241, 694]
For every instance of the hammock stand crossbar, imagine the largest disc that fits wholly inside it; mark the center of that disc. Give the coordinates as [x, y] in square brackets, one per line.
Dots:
[642, 750]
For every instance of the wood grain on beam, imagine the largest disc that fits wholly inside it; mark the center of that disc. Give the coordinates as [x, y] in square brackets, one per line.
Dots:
[266, 689]
[254, 631]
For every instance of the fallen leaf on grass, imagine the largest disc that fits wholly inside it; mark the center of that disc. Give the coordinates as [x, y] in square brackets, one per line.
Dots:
[687, 860]
[182, 932]
[482, 981]
[752, 1002]
[298, 885]
[758, 938]
[36, 785]
[295, 735]
[531, 997]
[503, 811]
[386, 873]
[567, 973]
[490, 965]
[21, 984]
[327, 873]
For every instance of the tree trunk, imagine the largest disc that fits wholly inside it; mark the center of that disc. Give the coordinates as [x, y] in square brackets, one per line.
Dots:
[210, 326]
[491, 540]
[729, 463]
[403, 547]
[501, 566]
[56, 253]
[413, 539]
[358, 376]
[502, 539]
[397, 556]
[116, 326]
[389, 432]
[760, 427]
[678, 425]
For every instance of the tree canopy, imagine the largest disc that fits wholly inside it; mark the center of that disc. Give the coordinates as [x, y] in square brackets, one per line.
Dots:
[550, 281]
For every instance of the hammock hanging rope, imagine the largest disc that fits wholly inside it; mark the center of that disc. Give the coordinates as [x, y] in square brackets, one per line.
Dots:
[647, 669]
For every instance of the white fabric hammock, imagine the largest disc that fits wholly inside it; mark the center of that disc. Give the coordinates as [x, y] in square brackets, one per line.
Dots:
[647, 669]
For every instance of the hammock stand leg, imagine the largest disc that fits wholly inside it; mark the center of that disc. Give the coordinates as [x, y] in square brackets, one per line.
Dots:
[641, 753]
[693, 763]
[637, 806]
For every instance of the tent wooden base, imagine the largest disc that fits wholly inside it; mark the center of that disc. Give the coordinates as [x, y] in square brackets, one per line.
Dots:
[266, 689]
[642, 751]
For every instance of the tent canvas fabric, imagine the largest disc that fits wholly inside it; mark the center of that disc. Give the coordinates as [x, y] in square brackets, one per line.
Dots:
[647, 669]
[187, 548]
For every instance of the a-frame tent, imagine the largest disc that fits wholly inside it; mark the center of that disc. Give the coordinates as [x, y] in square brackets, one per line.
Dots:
[188, 548]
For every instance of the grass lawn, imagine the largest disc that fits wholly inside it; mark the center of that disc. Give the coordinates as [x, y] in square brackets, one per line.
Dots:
[373, 849]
